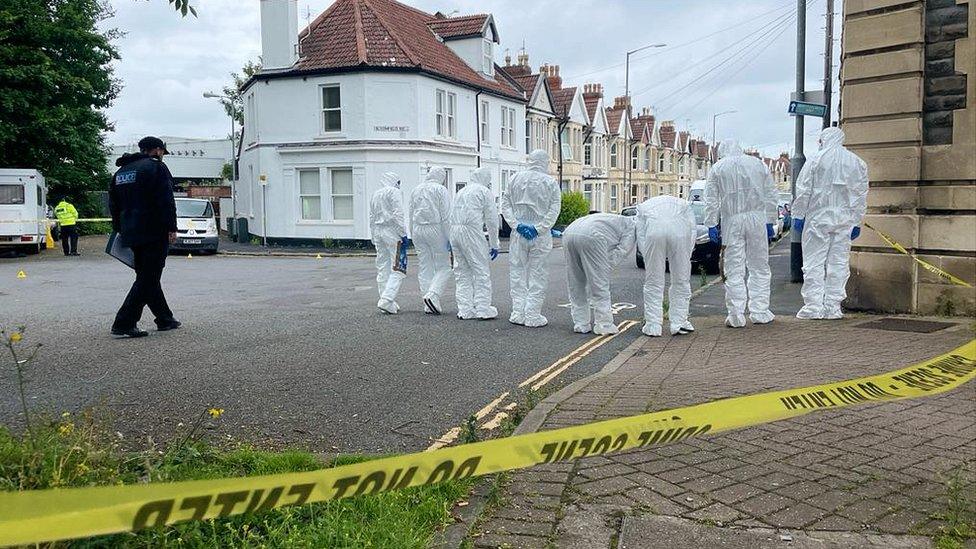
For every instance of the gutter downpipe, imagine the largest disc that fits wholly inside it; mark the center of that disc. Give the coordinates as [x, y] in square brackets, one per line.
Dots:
[477, 123]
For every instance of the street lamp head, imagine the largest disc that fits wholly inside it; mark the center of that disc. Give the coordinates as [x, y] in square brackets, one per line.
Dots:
[212, 95]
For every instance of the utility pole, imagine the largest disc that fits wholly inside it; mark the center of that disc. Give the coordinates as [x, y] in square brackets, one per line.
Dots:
[828, 60]
[796, 163]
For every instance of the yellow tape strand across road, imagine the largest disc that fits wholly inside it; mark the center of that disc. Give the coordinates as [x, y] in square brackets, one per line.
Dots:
[55, 221]
[926, 265]
[48, 515]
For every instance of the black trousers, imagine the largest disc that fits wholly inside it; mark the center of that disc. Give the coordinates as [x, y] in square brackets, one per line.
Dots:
[69, 239]
[150, 259]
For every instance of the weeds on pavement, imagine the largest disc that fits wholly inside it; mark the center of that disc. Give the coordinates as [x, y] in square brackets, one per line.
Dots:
[959, 517]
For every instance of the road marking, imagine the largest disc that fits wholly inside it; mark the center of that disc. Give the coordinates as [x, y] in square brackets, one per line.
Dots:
[623, 327]
[549, 372]
[496, 421]
[491, 406]
[446, 439]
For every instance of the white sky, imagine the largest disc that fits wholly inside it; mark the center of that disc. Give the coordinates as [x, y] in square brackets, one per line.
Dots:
[168, 62]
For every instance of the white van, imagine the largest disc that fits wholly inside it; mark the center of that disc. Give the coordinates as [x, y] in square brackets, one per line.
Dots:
[23, 210]
[696, 193]
[196, 226]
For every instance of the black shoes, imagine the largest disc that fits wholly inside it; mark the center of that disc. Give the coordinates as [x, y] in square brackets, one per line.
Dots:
[168, 325]
[131, 332]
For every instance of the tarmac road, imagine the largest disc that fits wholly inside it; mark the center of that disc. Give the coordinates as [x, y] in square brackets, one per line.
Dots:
[293, 349]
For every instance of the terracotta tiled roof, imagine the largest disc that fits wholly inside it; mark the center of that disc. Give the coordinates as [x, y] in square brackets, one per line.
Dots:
[613, 119]
[592, 102]
[563, 99]
[386, 33]
[516, 71]
[458, 27]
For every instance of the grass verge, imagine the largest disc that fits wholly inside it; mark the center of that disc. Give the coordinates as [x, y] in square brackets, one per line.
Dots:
[77, 451]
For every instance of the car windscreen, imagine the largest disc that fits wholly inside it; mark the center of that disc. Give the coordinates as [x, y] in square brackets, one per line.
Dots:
[193, 208]
[698, 209]
[11, 194]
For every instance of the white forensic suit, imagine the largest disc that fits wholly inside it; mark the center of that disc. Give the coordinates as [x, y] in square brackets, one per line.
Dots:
[388, 228]
[740, 194]
[831, 198]
[474, 211]
[666, 233]
[532, 200]
[594, 245]
[430, 226]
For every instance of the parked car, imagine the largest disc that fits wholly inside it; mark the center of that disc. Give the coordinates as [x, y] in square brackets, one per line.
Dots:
[706, 253]
[196, 226]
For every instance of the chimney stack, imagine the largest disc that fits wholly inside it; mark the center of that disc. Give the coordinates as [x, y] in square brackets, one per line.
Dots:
[523, 59]
[621, 102]
[279, 34]
[552, 76]
[592, 91]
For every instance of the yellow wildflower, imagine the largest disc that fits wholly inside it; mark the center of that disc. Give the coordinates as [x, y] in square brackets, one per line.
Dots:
[16, 337]
[215, 412]
[66, 428]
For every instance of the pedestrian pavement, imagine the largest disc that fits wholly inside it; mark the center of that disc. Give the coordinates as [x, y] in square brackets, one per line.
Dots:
[875, 475]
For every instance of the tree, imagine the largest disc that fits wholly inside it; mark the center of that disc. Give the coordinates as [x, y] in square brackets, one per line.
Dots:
[55, 82]
[574, 206]
[235, 105]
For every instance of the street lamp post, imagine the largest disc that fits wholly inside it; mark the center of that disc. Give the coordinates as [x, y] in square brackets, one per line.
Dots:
[714, 118]
[233, 151]
[627, 95]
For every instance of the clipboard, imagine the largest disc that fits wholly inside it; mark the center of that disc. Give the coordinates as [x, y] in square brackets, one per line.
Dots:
[115, 249]
[400, 259]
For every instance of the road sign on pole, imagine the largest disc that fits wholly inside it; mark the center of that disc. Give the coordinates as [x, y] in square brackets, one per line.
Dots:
[802, 108]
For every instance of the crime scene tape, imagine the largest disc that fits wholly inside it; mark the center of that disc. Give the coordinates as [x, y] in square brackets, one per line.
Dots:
[55, 221]
[926, 265]
[49, 515]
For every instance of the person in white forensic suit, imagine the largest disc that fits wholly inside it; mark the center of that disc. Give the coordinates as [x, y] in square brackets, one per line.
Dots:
[474, 211]
[531, 206]
[831, 198]
[430, 228]
[594, 245]
[389, 229]
[666, 235]
[740, 210]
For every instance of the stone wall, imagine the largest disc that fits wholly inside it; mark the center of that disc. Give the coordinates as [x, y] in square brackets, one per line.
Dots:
[907, 106]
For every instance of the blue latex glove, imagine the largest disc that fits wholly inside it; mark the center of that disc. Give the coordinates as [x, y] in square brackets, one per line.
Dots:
[769, 231]
[798, 224]
[405, 241]
[715, 234]
[493, 253]
[555, 233]
[527, 231]
[855, 232]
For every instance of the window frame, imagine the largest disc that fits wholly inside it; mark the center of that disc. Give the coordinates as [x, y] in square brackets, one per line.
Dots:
[302, 195]
[488, 57]
[333, 195]
[485, 122]
[445, 114]
[614, 156]
[324, 109]
[634, 158]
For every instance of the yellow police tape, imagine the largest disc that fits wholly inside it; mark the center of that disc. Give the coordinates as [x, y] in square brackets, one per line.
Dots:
[55, 221]
[49, 515]
[927, 266]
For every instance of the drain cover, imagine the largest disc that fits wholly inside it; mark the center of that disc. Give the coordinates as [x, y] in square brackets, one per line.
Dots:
[906, 325]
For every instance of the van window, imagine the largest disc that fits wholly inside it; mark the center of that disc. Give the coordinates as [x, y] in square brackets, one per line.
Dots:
[11, 194]
[193, 208]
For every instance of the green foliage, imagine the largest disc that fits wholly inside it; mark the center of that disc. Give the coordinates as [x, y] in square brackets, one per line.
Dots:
[227, 171]
[184, 7]
[234, 104]
[574, 206]
[95, 227]
[55, 82]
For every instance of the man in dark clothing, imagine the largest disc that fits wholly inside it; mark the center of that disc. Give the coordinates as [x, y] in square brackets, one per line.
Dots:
[144, 215]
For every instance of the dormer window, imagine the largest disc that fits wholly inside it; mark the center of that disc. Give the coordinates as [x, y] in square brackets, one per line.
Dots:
[488, 54]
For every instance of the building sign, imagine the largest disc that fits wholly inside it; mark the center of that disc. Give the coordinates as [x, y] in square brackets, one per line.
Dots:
[393, 129]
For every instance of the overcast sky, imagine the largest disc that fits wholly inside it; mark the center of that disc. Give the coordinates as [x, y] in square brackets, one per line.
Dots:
[720, 55]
